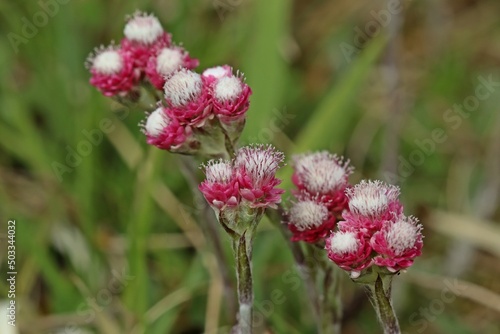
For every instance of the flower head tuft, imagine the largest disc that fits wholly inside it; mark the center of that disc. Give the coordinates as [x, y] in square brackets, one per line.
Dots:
[325, 175]
[307, 214]
[372, 198]
[217, 72]
[349, 250]
[112, 70]
[188, 97]
[143, 28]
[220, 188]
[398, 243]
[256, 166]
[165, 132]
[310, 221]
[166, 61]
[183, 87]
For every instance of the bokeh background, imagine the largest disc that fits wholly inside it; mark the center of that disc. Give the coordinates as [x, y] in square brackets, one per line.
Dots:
[113, 245]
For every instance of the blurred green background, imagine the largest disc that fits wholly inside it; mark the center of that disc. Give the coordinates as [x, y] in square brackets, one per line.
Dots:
[112, 245]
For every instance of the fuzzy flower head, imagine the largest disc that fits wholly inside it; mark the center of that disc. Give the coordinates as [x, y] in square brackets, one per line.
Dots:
[398, 243]
[323, 174]
[230, 96]
[349, 250]
[256, 166]
[165, 132]
[143, 28]
[372, 198]
[215, 73]
[188, 97]
[144, 35]
[370, 204]
[309, 221]
[112, 71]
[167, 61]
[220, 188]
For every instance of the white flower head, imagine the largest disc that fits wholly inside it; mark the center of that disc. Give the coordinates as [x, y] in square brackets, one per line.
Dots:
[217, 72]
[143, 28]
[169, 60]
[219, 171]
[259, 161]
[308, 214]
[228, 88]
[156, 122]
[106, 60]
[371, 198]
[322, 172]
[403, 234]
[182, 87]
[344, 242]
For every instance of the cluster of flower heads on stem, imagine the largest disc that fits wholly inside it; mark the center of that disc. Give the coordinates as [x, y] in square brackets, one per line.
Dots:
[361, 225]
[321, 179]
[145, 54]
[195, 112]
[374, 231]
[248, 181]
[207, 108]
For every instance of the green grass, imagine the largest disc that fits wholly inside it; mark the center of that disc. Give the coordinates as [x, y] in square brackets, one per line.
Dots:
[289, 52]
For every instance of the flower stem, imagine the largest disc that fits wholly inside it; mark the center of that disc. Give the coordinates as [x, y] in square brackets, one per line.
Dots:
[242, 248]
[380, 297]
[331, 306]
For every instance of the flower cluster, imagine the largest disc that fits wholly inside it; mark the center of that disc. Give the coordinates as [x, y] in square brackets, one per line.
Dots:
[321, 179]
[146, 53]
[249, 180]
[197, 113]
[374, 231]
[203, 111]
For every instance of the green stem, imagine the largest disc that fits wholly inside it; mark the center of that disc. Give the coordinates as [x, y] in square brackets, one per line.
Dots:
[242, 248]
[331, 306]
[380, 297]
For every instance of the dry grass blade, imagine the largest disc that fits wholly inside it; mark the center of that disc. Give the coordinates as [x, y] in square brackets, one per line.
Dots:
[462, 288]
[480, 233]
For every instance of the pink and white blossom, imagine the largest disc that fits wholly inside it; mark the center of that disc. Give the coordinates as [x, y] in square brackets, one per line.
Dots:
[165, 132]
[166, 61]
[324, 175]
[398, 243]
[144, 36]
[310, 221]
[349, 250]
[188, 97]
[371, 203]
[112, 71]
[256, 167]
[220, 187]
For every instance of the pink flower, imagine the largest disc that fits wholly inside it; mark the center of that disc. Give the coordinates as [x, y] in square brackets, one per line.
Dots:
[256, 166]
[324, 175]
[398, 243]
[188, 98]
[144, 35]
[112, 71]
[220, 188]
[230, 97]
[166, 61]
[310, 221]
[165, 132]
[349, 250]
[370, 204]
